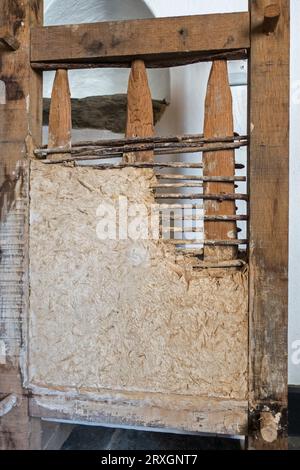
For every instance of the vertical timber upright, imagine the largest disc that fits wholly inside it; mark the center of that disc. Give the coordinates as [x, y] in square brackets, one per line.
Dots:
[20, 129]
[268, 227]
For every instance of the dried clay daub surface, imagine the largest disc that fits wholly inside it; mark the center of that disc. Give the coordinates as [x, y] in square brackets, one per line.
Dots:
[123, 315]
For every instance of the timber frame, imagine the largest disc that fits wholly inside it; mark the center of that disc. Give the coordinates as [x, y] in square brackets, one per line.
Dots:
[28, 48]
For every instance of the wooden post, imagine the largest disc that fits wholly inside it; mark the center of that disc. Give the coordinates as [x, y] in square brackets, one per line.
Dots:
[60, 116]
[20, 124]
[218, 121]
[268, 230]
[139, 110]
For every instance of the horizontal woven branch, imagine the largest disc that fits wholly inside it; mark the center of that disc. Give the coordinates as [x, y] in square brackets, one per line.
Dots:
[186, 138]
[217, 197]
[207, 179]
[94, 153]
[205, 242]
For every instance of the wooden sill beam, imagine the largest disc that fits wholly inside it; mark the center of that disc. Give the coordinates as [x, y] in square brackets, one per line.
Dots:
[183, 39]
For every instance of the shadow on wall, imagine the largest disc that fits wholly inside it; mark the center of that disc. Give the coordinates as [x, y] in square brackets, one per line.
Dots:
[101, 81]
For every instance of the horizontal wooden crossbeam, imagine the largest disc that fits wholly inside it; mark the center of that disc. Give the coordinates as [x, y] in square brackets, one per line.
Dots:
[183, 40]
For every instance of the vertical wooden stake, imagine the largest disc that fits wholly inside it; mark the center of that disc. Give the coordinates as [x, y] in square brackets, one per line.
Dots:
[139, 110]
[60, 117]
[268, 230]
[218, 121]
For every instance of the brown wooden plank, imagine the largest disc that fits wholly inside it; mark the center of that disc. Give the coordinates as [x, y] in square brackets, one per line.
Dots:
[218, 120]
[150, 39]
[172, 412]
[20, 121]
[140, 121]
[268, 230]
[60, 115]
[173, 60]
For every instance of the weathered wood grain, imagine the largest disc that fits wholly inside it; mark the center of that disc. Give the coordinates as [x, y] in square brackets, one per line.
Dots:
[20, 122]
[172, 412]
[218, 120]
[163, 148]
[60, 123]
[60, 116]
[176, 59]
[140, 122]
[155, 39]
[8, 39]
[268, 226]
[20, 132]
[153, 142]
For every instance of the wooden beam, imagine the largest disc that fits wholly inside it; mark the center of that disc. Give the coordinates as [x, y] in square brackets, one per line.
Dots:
[218, 120]
[20, 123]
[268, 229]
[181, 39]
[165, 411]
[155, 62]
[20, 131]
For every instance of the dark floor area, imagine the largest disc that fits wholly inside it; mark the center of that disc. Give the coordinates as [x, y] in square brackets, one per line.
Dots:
[96, 438]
